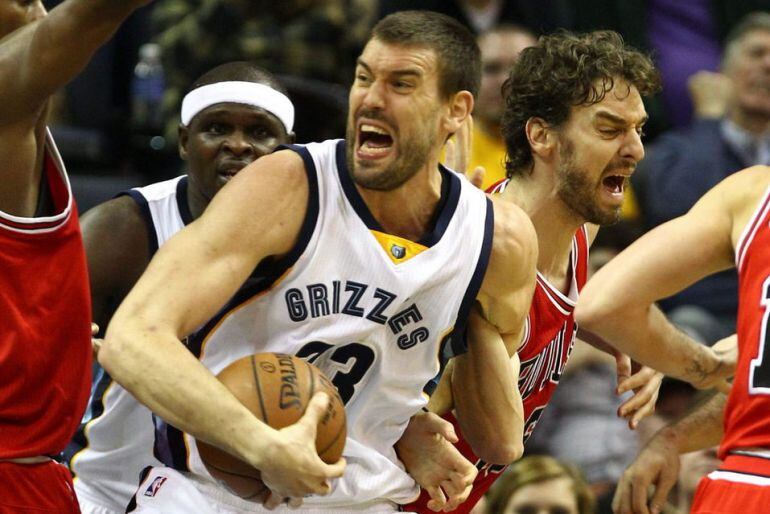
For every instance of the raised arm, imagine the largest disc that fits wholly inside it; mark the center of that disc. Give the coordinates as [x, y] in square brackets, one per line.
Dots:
[484, 380]
[43, 56]
[35, 61]
[617, 304]
[257, 216]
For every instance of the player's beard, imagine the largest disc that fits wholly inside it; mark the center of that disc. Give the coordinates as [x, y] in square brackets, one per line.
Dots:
[412, 155]
[578, 191]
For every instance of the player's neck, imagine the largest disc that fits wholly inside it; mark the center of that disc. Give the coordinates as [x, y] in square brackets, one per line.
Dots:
[554, 223]
[407, 211]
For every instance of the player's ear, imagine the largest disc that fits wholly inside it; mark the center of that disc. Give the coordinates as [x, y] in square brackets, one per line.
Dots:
[540, 136]
[460, 108]
[184, 137]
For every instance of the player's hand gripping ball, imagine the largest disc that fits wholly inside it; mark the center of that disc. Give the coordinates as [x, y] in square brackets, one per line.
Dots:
[276, 388]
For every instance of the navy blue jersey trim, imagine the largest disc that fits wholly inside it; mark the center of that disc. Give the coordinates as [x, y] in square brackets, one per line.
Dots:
[181, 201]
[79, 441]
[447, 205]
[144, 210]
[458, 343]
[131, 507]
[450, 199]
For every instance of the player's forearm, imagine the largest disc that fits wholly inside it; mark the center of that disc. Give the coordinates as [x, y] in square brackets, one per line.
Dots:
[487, 403]
[162, 374]
[701, 427]
[643, 333]
[43, 56]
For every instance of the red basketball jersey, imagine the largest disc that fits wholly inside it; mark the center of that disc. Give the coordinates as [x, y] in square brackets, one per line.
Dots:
[548, 340]
[45, 334]
[747, 423]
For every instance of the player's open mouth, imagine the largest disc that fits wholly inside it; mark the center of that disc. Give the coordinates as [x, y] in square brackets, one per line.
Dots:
[373, 142]
[615, 185]
[229, 170]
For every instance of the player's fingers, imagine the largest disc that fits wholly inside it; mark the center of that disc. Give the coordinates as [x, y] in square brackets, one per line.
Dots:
[437, 424]
[621, 499]
[477, 176]
[437, 498]
[315, 410]
[724, 386]
[646, 410]
[334, 471]
[273, 500]
[94, 329]
[294, 503]
[622, 367]
[640, 487]
[658, 501]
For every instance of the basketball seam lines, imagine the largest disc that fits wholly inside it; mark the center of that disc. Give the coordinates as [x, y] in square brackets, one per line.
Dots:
[259, 390]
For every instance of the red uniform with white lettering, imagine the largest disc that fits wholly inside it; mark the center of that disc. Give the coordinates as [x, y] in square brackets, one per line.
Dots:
[548, 341]
[45, 336]
[745, 479]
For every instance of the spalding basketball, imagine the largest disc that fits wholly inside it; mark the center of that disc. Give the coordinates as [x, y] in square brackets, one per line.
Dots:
[276, 388]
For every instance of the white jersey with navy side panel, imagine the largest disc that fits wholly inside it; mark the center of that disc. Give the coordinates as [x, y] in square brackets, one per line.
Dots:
[370, 309]
[118, 439]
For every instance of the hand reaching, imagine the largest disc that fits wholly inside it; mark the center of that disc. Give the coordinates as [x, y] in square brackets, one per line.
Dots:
[645, 384]
[437, 466]
[655, 471]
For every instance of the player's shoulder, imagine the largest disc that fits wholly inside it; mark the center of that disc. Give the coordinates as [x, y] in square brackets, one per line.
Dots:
[283, 171]
[117, 215]
[513, 260]
[514, 234]
[742, 190]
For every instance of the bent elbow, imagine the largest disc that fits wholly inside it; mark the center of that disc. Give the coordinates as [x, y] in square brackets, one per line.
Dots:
[501, 452]
[590, 314]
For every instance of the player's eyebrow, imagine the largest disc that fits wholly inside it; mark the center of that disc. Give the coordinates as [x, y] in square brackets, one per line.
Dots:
[614, 118]
[415, 72]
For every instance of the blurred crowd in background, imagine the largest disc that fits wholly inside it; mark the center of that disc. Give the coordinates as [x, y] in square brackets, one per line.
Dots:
[116, 127]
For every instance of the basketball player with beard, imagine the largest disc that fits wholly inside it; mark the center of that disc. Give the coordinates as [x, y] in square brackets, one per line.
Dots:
[371, 261]
[572, 125]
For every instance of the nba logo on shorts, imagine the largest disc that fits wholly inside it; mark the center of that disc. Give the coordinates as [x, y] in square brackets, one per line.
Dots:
[154, 487]
[398, 251]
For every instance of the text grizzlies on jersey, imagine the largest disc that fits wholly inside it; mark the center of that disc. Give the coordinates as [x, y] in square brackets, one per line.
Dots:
[350, 298]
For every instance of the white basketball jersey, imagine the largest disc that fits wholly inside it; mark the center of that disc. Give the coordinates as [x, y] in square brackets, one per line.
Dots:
[371, 310]
[120, 434]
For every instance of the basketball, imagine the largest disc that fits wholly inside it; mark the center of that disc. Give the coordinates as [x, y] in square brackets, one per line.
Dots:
[276, 388]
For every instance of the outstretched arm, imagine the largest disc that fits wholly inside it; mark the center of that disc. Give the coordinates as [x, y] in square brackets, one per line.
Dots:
[43, 56]
[617, 304]
[35, 61]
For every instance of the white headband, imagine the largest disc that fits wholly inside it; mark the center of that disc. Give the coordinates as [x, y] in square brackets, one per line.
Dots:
[248, 93]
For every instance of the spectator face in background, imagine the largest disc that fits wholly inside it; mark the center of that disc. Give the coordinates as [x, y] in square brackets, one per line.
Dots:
[500, 48]
[747, 63]
[17, 13]
[549, 497]
[540, 485]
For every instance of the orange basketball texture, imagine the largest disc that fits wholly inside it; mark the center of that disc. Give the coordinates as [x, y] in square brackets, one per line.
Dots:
[276, 388]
